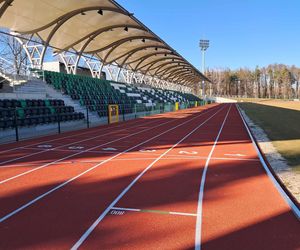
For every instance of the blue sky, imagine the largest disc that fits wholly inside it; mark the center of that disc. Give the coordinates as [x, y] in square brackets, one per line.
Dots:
[243, 33]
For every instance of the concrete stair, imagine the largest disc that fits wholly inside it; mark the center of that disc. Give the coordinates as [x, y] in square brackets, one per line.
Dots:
[54, 94]
[13, 79]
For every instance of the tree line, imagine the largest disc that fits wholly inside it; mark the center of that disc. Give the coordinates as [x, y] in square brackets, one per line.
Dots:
[274, 81]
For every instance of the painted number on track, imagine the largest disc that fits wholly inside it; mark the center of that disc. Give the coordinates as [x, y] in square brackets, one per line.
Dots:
[147, 150]
[188, 152]
[109, 149]
[45, 146]
[117, 212]
[76, 147]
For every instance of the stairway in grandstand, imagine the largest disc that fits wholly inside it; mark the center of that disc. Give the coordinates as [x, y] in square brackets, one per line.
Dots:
[40, 88]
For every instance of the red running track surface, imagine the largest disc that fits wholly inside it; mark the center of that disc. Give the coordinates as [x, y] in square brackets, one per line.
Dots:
[136, 185]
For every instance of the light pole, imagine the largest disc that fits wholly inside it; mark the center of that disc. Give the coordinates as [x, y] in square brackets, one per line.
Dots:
[204, 45]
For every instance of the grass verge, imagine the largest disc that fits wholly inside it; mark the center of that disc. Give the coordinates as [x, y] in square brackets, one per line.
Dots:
[282, 126]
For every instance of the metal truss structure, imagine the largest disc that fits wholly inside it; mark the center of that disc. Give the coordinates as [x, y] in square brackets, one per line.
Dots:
[104, 37]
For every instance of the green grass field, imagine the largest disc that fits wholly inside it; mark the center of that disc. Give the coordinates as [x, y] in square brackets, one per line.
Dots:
[281, 122]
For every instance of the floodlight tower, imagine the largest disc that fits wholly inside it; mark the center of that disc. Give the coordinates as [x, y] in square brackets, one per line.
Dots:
[204, 45]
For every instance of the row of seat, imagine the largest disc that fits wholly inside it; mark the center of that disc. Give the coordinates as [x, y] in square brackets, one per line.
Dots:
[14, 103]
[35, 111]
[26, 112]
[38, 120]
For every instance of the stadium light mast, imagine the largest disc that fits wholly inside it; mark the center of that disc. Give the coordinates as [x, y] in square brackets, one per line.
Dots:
[204, 45]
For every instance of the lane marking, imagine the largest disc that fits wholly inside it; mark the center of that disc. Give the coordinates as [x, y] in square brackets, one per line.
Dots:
[188, 152]
[69, 144]
[147, 150]
[93, 130]
[109, 149]
[198, 230]
[117, 212]
[101, 163]
[106, 211]
[288, 200]
[239, 155]
[175, 157]
[45, 146]
[88, 150]
[76, 147]
[153, 211]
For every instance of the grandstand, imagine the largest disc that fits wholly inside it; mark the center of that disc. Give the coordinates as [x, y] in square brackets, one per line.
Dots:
[121, 62]
[97, 94]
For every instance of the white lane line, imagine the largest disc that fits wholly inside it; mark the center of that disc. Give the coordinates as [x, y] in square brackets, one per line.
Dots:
[90, 138]
[126, 209]
[84, 151]
[93, 130]
[288, 200]
[106, 211]
[241, 155]
[61, 146]
[175, 157]
[96, 166]
[153, 211]
[90, 149]
[198, 230]
[184, 214]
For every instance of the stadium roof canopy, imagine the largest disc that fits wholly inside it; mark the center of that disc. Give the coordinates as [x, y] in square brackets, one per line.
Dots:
[101, 28]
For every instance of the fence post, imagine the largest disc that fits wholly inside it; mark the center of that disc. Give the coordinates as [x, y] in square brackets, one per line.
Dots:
[123, 112]
[87, 117]
[16, 125]
[58, 121]
[108, 112]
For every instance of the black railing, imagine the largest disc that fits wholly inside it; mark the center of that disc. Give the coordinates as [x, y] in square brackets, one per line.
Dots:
[21, 122]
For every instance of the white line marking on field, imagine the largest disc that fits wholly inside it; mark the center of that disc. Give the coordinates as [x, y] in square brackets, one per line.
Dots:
[188, 152]
[126, 209]
[153, 211]
[132, 122]
[106, 211]
[103, 162]
[147, 150]
[76, 147]
[69, 144]
[89, 150]
[198, 230]
[175, 157]
[45, 146]
[184, 214]
[117, 212]
[84, 151]
[239, 155]
[109, 149]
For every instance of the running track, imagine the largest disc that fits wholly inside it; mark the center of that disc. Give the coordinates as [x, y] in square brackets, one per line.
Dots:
[181, 180]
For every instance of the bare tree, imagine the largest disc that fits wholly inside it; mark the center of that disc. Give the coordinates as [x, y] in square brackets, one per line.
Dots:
[12, 51]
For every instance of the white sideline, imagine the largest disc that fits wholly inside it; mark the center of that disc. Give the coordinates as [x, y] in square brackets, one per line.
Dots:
[201, 192]
[87, 150]
[288, 200]
[106, 211]
[94, 167]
